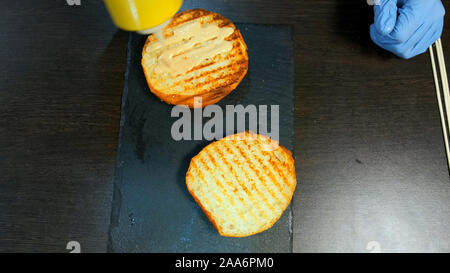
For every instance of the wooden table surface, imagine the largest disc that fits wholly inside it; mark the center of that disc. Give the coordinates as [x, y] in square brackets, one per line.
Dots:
[369, 151]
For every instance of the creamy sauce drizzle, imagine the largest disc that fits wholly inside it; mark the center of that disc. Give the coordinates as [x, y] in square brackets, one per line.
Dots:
[191, 44]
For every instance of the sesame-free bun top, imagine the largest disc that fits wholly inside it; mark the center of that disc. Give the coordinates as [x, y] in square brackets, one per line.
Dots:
[203, 56]
[243, 183]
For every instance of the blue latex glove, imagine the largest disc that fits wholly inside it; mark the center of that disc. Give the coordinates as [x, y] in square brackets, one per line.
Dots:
[407, 27]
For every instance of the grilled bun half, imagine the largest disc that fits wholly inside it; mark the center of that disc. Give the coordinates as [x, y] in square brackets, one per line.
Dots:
[241, 186]
[203, 55]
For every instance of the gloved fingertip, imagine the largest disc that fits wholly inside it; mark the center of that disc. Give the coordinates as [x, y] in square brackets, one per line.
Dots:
[383, 25]
[374, 36]
[385, 16]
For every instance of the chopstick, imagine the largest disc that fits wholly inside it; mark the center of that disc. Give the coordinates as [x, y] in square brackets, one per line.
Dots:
[444, 109]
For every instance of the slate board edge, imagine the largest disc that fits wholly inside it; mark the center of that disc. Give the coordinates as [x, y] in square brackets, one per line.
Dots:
[290, 210]
[117, 195]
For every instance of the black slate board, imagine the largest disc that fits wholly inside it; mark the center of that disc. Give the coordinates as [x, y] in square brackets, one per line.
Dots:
[152, 209]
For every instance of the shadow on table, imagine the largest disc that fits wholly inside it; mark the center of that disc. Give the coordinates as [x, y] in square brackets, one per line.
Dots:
[352, 20]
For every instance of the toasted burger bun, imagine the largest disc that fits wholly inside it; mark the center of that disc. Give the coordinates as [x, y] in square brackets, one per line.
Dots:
[213, 77]
[241, 186]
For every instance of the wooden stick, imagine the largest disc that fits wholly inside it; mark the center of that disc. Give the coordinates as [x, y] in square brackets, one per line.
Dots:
[444, 81]
[441, 111]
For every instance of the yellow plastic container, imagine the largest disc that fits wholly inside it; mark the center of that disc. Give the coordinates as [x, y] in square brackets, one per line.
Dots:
[141, 15]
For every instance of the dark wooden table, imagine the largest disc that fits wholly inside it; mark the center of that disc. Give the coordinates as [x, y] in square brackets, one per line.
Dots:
[369, 151]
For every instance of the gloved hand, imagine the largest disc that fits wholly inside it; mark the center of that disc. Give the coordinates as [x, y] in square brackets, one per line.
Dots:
[407, 27]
